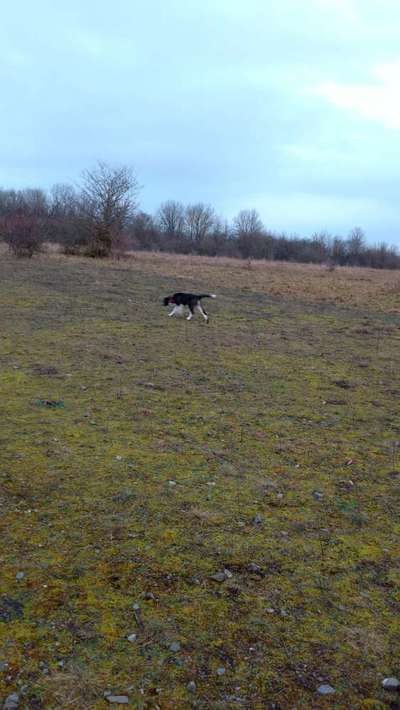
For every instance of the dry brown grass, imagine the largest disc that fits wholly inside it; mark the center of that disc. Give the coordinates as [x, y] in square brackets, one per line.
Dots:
[347, 286]
[74, 688]
[350, 286]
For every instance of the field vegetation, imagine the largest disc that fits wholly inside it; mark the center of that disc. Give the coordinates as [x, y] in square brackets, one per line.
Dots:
[198, 516]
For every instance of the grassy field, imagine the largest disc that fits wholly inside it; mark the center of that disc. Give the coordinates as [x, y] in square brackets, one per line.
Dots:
[228, 493]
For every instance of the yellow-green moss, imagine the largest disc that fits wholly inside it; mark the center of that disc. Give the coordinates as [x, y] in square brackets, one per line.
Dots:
[246, 418]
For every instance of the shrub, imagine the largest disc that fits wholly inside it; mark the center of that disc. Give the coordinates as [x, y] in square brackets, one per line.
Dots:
[121, 245]
[23, 233]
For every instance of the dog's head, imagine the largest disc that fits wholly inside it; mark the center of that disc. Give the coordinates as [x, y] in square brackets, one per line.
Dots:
[167, 300]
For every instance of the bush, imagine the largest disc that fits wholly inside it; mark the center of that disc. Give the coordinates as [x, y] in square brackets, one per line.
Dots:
[73, 247]
[121, 245]
[23, 234]
[99, 242]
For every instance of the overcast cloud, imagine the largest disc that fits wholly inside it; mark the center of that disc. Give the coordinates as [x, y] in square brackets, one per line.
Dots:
[292, 108]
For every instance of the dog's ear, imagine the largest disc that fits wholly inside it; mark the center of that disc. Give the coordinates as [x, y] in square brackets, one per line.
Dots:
[166, 301]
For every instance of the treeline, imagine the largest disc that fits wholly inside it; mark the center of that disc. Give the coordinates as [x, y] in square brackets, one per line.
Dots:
[101, 218]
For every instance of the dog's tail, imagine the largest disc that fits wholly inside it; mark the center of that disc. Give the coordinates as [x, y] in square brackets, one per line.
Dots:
[207, 295]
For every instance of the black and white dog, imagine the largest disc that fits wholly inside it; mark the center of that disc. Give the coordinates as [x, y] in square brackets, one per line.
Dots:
[191, 300]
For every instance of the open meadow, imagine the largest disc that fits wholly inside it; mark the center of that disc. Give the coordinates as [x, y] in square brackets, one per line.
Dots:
[226, 495]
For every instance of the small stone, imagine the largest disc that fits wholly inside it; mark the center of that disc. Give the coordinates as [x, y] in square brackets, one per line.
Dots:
[391, 684]
[118, 458]
[19, 576]
[175, 646]
[346, 484]
[132, 638]
[228, 574]
[118, 699]
[270, 610]
[172, 483]
[218, 577]
[344, 384]
[149, 596]
[318, 495]
[257, 520]
[10, 609]
[255, 569]
[191, 686]
[11, 702]
[395, 475]
[220, 671]
[136, 607]
[325, 689]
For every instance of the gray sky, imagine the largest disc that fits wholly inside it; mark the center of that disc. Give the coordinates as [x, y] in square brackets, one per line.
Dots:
[289, 107]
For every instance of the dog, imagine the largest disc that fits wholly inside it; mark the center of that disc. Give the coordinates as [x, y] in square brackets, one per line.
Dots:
[191, 300]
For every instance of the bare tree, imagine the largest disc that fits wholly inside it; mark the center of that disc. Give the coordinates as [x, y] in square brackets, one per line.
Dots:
[63, 199]
[35, 202]
[321, 247]
[24, 220]
[143, 231]
[171, 218]
[8, 202]
[108, 199]
[356, 247]
[248, 223]
[199, 221]
[65, 225]
[30, 201]
[248, 229]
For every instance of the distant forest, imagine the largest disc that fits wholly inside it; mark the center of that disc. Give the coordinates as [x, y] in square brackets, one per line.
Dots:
[102, 218]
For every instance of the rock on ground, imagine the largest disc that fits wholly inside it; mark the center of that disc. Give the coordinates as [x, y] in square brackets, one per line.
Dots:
[325, 689]
[391, 684]
[12, 702]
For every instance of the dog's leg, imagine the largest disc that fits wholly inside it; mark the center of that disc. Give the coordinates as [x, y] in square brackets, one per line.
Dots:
[203, 312]
[172, 312]
[190, 316]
